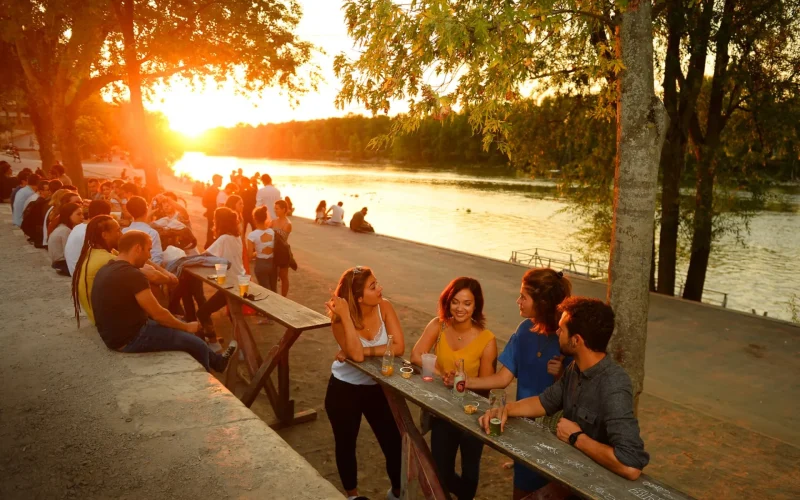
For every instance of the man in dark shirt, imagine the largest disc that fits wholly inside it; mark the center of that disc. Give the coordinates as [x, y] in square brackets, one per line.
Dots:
[358, 224]
[595, 393]
[122, 302]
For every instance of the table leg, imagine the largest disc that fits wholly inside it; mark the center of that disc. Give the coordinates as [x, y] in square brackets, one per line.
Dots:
[417, 462]
[243, 335]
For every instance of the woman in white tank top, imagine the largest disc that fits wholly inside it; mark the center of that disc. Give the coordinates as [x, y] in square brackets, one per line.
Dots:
[362, 322]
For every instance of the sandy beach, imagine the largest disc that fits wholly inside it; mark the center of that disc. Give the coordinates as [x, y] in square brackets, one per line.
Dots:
[719, 411]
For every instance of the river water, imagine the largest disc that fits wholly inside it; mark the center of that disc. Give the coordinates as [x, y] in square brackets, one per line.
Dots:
[494, 215]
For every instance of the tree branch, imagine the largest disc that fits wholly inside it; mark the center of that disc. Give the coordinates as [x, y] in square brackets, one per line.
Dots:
[604, 19]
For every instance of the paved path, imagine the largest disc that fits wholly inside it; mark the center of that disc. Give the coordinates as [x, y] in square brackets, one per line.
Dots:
[80, 421]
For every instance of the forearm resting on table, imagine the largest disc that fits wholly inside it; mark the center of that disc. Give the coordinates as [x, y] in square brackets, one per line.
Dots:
[604, 455]
[499, 380]
[528, 407]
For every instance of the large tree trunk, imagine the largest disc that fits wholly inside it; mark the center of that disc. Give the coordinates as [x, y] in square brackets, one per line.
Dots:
[707, 147]
[641, 127]
[68, 144]
[143, 151]
[680, 106]
[44, 129]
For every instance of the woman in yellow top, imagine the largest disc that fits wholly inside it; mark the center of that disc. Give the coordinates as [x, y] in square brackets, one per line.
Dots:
[102, 236]
[458, 333]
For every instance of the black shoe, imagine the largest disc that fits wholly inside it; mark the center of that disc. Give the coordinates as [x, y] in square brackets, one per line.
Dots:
[229, 352]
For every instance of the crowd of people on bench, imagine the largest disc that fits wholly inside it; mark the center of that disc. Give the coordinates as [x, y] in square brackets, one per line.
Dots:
[112, 245]
[557, 356]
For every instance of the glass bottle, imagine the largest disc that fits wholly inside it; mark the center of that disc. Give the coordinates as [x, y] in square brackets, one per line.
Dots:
[460, 380]
[387, 364]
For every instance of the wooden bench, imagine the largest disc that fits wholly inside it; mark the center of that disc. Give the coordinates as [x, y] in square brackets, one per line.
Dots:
[523, 440]
[295, 317]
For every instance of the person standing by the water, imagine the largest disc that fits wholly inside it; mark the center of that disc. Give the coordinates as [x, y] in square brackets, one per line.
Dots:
[268, 195]
[210, 204]
[261, 247]
[248, 193]
[363, 324]
[532, 354]
[458, 332]
[282, 227]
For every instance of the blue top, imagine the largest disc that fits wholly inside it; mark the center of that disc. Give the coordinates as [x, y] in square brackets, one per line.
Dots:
[519, 356]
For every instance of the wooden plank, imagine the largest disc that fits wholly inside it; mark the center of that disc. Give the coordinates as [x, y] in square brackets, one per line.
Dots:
[275, 306]
[269, 364]
[524, 440]
[244, 337]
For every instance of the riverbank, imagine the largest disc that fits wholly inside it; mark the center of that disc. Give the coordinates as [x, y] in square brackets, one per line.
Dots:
[722, 391]
[80, 421]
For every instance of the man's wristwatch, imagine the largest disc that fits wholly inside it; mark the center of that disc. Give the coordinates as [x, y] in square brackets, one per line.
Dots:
[573, 438]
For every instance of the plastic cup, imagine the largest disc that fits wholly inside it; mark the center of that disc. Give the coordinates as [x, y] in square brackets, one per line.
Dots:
[406, 372]
[428, 367]
[222, 270]
[244, 284]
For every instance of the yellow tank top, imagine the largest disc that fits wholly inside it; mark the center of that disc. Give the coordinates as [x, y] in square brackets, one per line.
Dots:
[471, 354]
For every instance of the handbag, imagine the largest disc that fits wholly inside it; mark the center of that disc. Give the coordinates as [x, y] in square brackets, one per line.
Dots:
[425, 417]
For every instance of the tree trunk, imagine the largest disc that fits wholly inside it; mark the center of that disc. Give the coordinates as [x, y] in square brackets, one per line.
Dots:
[707, 148]
[68, 144]
[143, 151]
[680, 106]
[641, 127]
[44, 129]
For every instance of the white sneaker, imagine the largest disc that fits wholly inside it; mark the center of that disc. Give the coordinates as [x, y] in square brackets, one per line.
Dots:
[390, 495]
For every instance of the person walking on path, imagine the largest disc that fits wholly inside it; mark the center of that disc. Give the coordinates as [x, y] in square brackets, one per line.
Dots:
[268, 195]
[458, 333]
[363, 323]
[123, 303]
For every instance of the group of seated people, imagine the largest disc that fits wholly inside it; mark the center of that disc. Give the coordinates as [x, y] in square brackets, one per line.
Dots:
[334, 216]
[557, 355]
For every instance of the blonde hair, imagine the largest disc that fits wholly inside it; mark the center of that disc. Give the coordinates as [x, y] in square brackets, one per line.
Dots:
[351, 288]
[55, 202]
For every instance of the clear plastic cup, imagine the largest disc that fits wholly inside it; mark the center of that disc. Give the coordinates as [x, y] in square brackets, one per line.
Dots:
[244, 284]
[222, 270]
[428, 367]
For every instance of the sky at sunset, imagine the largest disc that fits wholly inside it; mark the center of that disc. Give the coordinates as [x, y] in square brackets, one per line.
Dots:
[192, 112]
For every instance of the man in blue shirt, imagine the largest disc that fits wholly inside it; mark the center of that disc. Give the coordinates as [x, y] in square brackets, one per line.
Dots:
[21, 197]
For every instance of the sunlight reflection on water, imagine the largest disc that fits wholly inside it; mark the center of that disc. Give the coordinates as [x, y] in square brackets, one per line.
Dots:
[508, 214]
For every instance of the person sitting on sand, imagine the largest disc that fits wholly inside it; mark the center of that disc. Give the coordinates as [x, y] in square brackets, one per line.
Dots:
[321, 213]
[363, 323]
[358, 224]
[458, 332]
[595, 393]
[129, 318]
[337, 215]
[71, 214]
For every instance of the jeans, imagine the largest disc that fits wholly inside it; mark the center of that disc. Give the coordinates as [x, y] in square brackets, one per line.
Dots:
[446, 439]
[345, 403]
[154, 337]
[266, 273]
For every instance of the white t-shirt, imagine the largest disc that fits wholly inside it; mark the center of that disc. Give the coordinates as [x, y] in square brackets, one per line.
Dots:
[222, 197]
[266, 197]
[229, 247]
[337, 214]
[156, 253]
[263, 238]
[72, 250]
[44, 229]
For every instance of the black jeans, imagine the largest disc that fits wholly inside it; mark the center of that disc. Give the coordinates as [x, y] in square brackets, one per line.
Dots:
[212, 305]
[446, 439]
[345, 403]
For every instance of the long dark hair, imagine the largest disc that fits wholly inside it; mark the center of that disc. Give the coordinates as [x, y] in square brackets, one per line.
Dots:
[65, 214]
[93, 240]
[232, 201]
[322, 206]
[351, 288]
[226, 221]
[452, 289]
[548, 289]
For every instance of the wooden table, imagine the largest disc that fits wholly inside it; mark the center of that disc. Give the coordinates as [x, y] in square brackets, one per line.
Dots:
[523, 440]
[295, 317]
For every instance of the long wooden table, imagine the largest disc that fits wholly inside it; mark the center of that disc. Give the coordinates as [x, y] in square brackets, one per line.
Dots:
[524, 440]
[295, 317]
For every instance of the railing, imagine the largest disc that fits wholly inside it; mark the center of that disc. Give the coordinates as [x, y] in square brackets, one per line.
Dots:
[542, 257]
